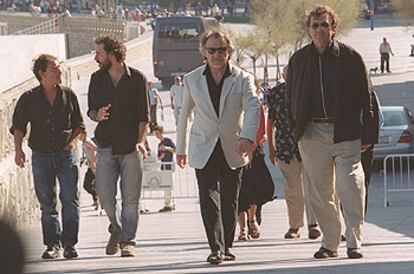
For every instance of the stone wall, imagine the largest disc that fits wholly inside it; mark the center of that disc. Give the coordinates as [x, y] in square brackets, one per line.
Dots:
[18, 203]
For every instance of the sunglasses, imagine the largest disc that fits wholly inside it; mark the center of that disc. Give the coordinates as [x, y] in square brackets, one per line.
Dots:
[214, 50]
[324, 25]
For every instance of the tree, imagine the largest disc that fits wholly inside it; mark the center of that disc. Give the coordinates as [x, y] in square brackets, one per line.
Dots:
[405, 9]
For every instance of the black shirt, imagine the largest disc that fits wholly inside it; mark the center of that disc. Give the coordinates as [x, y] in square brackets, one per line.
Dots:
[324, 85]
[51, 125]
[167, 156]
[215, 89]
[129, 107]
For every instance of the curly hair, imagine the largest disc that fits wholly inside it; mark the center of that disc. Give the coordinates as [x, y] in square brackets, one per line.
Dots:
[320, 10]
[112, 44]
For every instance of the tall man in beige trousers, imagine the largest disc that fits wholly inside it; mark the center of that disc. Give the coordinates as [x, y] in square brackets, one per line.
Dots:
[328, 98]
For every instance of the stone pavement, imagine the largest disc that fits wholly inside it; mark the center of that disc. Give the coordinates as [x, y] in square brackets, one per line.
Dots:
[176, 243]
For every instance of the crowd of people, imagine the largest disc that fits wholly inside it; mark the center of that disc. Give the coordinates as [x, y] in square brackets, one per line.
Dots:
[318, 122]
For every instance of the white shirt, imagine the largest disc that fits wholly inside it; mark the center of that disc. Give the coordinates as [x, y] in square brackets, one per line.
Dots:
[177, 92]
[152, 94]
[385, 48]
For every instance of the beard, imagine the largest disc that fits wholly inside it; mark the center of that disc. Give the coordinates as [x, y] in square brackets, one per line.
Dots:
[105, 65]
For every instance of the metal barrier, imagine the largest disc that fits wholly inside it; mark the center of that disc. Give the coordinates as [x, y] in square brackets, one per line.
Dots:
[155, 181]
[400, 177]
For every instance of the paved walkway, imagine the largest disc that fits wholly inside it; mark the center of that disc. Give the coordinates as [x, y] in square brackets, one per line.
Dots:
[176, 243]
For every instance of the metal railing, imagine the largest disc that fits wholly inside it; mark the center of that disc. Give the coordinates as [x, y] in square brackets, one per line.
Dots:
[49, 26]
[397, 174]
[181, 182]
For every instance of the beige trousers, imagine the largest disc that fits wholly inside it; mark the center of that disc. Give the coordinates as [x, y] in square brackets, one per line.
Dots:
[296, 193]
[334, 169]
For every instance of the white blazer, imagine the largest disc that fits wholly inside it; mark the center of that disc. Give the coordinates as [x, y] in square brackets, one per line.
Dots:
[239, 117]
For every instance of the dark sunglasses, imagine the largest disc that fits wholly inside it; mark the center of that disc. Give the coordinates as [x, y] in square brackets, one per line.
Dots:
[214, 50]
[324, 25]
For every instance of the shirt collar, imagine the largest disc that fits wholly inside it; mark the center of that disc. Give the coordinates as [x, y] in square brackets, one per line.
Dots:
[226, 73]
[333, 48]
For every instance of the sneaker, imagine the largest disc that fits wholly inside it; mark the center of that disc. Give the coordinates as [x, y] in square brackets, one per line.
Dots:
[52, 252]
[127, 250]
[313, 232]
[293, 233]
[144, 211]
[96, 205]
[70, 252]
[112, 247]
[166, 209]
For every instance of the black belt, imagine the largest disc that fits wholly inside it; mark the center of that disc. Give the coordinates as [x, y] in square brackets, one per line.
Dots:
[329, 120]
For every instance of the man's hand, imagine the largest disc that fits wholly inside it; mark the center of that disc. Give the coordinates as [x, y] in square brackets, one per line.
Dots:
[365, 147]
[181, 160]
[243, 146]
[19, 158]
[141, 148]
[103, 113]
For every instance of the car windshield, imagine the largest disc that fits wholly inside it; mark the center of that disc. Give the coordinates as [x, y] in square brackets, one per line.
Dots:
[394, 117]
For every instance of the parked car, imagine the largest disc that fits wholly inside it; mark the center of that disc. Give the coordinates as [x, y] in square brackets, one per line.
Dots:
[396, 133]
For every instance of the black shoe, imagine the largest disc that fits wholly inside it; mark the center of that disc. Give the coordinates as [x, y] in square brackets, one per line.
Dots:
[313, 232]
[354, 253]
[166, 209]
[216, 257]
[70, 252]
[388, 71]
[229, 256]
[52, 252]
[343, 238]
[324, 253]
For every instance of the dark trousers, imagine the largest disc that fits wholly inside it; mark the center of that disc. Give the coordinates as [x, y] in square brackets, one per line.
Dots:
[385, 58]
[153, 117]
[367, 159]
[219, 187]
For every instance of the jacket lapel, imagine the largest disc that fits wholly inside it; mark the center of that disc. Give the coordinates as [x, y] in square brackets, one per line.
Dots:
[227, 88]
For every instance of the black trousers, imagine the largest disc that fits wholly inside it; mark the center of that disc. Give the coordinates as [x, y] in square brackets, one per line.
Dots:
[367, 159]
[385, 59]
[219, 188]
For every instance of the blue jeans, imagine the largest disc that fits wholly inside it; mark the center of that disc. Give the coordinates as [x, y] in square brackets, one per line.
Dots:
[46, 168]
[123, 219]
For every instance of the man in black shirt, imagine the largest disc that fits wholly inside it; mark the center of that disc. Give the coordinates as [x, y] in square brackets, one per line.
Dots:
[54, 115]
[118, 101]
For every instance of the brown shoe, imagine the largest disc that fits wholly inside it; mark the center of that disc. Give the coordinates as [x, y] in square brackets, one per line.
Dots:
[127, 250]
[112, 247]
[313, 232]
[293, 233]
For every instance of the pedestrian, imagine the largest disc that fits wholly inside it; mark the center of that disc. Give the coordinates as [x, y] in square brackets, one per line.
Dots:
[385, 51]
[257, 187]
[176, 96]
[56, 121]
[287, 157]
[154, 100]
[328, 98]
[89, 159]
[118, 102]
[166, 151]
[226, 118]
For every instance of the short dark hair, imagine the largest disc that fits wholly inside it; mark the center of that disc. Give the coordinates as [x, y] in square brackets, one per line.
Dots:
[159, 128]
[112, 44]
[320, 10]
[40, 64]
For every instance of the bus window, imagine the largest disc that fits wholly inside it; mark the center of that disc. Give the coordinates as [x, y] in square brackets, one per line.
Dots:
[186, 32]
